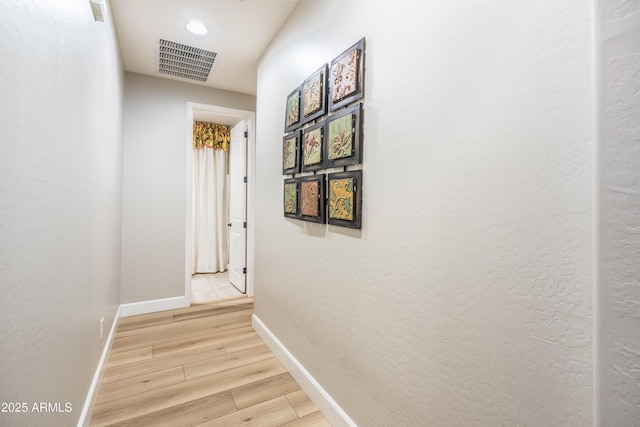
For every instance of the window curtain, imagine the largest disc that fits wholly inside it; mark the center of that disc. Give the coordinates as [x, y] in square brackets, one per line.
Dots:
[210, 197]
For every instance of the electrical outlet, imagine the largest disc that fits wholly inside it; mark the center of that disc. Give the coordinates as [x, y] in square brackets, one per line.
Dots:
[101, 327]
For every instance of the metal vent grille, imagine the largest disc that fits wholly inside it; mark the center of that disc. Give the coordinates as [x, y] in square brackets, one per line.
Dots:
[187, 62]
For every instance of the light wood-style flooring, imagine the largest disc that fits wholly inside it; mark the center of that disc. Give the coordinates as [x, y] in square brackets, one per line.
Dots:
[198, 366]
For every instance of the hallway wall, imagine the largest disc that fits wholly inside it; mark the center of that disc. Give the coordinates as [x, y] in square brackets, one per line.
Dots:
[618, 294]
[466, 298]
[60, 203]
[154, 182]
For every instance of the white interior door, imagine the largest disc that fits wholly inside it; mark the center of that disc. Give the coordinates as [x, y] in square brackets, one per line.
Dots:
[238, 207]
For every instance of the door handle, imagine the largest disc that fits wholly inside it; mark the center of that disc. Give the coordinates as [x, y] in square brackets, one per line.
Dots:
[229, 225]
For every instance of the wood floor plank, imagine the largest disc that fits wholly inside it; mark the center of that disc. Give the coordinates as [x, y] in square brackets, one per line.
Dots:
[192, 308]
[164, 361]
[218, 338]
[271, 413]
[180, 331]
[261, 391]
[242, 343]
[141, 384]
[211, 366]
[129, 356]
[196, 322]
[167, 315]
[314, 419]
[224, 302]
[213, 311]
[143, 321]
[234, 300]
[301, 403]
[106, 413]
[192, 413]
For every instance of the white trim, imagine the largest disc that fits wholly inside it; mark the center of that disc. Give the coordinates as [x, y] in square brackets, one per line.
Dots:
[250, 117]
[153, 306]
[188, 210]
[325, 403]
[251, 214]
[92, 396]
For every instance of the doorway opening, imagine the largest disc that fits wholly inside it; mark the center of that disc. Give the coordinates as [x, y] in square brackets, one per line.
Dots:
[238, 274]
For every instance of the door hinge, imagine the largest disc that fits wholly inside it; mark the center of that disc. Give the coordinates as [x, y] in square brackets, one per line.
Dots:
[246, 134]
[244, 224]
[245, 179]
[244, 270]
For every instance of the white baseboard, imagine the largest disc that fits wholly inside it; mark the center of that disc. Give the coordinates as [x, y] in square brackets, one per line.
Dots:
[323, 401]
[153, 306]
[92, 396]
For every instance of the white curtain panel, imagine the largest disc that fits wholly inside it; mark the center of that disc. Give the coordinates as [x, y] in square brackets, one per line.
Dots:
[210, 211]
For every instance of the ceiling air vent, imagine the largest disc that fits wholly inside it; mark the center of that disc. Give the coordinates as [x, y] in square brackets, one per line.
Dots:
[187, 62]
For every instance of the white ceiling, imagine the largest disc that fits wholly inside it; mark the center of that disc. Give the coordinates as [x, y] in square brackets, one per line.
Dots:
[239, 31]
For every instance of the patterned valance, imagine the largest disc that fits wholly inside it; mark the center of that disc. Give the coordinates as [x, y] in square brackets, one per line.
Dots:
[211, 135]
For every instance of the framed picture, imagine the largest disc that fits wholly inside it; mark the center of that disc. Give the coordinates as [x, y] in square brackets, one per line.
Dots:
[291, 153]
[313, 142]
[312, 198]
[344, 137]
[346, 77]
[314, 95]
[290, 197]
[345, 199]
[292, 114]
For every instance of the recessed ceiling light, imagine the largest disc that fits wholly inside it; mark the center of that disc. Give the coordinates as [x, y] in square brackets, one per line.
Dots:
[196, 27]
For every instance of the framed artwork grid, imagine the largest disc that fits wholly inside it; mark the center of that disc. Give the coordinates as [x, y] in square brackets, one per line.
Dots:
[344, 200]
[323, 130]
[291, 153]
[314, 95]
[313, 151]
[344, 137]
[312, 199]
[346, 77]
[292, 112]
[290, 197]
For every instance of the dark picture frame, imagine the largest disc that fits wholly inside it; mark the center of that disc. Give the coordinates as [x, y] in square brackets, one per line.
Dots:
[343, 137]
[312, 151]
[313, 94]
[311, 198]
[292, 111]
[291, 153]
[344, 199]
[346, 76]
[290, 197]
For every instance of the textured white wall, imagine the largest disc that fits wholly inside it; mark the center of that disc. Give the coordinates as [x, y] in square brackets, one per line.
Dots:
[466, 297]
[60, 202]
[154, 182]
[618, 398]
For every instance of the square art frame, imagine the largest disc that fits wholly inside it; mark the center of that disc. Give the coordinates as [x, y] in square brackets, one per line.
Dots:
[290, 197]
[312, 147]
[292, 111]
[346, 76]
[344, 199]
[343, 137]
[291, 144]
[313, 103]
[311, 198]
